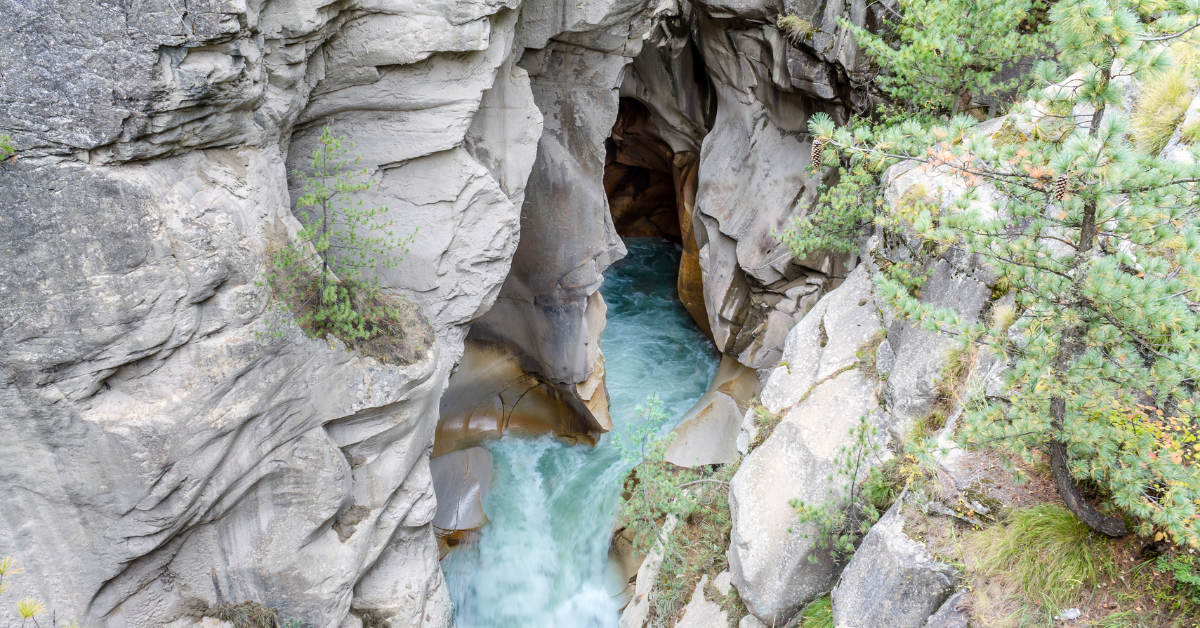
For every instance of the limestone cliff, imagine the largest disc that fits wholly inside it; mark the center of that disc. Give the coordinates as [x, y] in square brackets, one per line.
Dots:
[165, 450]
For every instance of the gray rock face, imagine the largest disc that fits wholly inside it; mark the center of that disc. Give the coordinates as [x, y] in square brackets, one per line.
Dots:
[701, 613]
[748, 116]
[166, 452]
[821, 394]
[170, 451]
[892, 580]
[951, 615]
[567, 237]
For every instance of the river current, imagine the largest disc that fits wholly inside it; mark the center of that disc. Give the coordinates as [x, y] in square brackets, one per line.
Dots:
[542, 559]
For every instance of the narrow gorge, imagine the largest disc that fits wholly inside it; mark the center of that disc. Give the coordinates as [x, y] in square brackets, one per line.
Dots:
[595, 191]
[165, 455]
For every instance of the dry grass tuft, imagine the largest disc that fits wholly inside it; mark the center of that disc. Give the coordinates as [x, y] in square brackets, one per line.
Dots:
[795, 27]
[246, 615]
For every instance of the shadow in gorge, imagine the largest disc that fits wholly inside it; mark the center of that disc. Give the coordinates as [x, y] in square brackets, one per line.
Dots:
[639, 176]
[652, 192]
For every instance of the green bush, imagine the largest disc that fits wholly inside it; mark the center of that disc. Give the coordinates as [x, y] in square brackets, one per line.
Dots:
[849, 513]
[328, 279]
[940, 53]
[697, 498]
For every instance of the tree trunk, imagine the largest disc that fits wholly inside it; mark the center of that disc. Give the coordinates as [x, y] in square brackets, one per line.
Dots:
[1072, 346]
[1111, 526]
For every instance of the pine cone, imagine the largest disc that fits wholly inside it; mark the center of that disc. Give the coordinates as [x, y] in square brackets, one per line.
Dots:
[1060, 186]
[818, 149]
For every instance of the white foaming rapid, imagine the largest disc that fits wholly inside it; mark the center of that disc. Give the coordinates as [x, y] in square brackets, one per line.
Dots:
[542, 560]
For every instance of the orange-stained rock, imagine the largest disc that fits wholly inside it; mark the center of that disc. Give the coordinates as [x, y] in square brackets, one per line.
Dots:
[491, 394]
[592, 390]
[686, 167]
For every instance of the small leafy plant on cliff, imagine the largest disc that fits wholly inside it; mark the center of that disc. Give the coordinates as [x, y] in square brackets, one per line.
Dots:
[1100, 245]
[843, 519]
[6, 147]
[328, 279]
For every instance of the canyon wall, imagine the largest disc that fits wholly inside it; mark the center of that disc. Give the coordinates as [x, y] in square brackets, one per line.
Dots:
[172, 443]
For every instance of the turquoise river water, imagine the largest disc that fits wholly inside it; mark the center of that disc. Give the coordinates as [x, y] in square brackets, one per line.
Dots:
[542, 560]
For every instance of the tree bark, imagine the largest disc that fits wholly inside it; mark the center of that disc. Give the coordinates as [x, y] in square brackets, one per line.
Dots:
[1069, 350]
[1111, 526]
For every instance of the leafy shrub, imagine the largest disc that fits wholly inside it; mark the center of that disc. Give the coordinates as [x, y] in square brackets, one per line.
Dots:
[337, 291]
[1185, 569]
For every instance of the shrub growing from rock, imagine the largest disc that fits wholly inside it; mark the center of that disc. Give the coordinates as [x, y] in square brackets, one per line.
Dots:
[336, 291]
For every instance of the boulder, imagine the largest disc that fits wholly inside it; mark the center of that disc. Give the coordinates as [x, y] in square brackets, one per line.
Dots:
[892, 580]
[821, 394]
[952, 614]
[460, 481]
[708, 433]
[701, 613]
[638, 609]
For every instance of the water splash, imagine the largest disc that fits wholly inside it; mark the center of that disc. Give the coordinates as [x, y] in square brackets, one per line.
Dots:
[542, 560]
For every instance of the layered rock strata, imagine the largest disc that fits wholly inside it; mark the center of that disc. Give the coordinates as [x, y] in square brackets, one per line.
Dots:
[174, 443]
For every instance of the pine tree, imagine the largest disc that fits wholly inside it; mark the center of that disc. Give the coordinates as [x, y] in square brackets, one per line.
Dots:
[939, 54]
[1100, 245]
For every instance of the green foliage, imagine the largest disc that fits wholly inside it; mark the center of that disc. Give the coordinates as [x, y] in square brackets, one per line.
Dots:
[846, 209]
[696, 498]
[6, 147]
[338, 291]
[843, 519]
[837, 220]
[1185, 569]
[940, 53]
[818, 614]
[1100, 247]
[1047, 553]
